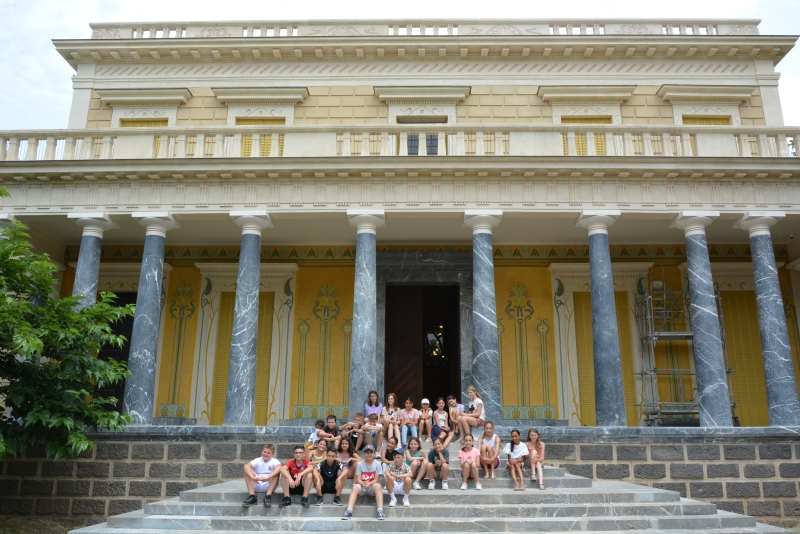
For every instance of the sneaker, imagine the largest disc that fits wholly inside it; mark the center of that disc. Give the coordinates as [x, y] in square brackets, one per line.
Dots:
[267, 501]
[463, 485]
[478, 486]
[392, 501]
[319, 501]
[304, 502]
[416, 486]
[287, 501]
[381, 515]
[445, 485]
[348, 514]
[432, 485]
[337, 501]
[405, 501]
[252, 500]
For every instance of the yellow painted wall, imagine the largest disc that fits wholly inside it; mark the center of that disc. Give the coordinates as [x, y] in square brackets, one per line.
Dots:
[180, 329]
[266, 305]
[321, 347]
[585, 356]
[527, 339]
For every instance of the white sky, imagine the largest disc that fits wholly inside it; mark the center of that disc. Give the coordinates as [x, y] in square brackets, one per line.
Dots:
[37, 90]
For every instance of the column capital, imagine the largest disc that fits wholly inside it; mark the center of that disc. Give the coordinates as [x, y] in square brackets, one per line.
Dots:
[253, 221]
[93, 223]
[366, 220]
[758, 222]
[482, 221]
[694, 222]
[597, 221]
[157, 223]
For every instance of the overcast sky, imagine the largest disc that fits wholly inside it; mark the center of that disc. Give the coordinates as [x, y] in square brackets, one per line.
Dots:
[36, 88]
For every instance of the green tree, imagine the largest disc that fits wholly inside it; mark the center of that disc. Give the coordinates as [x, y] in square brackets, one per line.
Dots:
[49, 375]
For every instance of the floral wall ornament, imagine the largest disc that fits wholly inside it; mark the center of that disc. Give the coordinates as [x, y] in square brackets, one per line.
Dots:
[634, 29]
[741, 29]
[214, 32]
[519, 309]
[109, 33]
[342, 31]
[504, 29]
[326, 310]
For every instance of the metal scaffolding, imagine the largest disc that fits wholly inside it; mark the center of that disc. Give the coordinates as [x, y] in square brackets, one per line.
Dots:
[663, 316]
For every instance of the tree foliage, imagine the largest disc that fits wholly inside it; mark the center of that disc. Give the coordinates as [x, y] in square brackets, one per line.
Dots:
[49, 375]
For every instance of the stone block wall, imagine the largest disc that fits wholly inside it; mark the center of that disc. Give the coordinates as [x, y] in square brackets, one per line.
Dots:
[758, 479]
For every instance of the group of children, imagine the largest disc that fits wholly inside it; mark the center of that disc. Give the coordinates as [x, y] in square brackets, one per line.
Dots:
[331, 454]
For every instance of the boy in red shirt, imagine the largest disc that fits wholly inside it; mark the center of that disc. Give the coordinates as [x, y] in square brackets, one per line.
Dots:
[301, 478]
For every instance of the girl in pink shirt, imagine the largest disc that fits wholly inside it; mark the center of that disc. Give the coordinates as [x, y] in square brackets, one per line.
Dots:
[468, 456]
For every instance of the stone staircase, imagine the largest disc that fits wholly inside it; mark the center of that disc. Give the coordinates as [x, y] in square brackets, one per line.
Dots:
[569, 504]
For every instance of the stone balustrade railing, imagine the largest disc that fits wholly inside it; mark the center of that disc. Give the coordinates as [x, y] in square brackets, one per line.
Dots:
[329, 28]
[400, 140]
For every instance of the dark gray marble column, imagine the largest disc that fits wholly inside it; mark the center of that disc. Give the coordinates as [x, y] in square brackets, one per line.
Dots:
[782, 401]
[241, 394]
[363, 364]
[485, 354]
[139, 400]
[87, 272]
[609, 394]
[709, 362]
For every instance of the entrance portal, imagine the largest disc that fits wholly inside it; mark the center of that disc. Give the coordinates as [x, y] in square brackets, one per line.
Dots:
[423, 353]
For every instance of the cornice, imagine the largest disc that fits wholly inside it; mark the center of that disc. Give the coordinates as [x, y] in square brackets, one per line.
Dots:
[586, 94]
[260, 95]
[144, 97]
[706, 94]
[422, 95]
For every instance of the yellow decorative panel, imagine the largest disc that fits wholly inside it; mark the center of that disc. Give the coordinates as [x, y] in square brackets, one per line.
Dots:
[135, 123]
[790, 307]
[177, 355]
[706, 121]
[585, 120]
[528, 374]
[322, 337]
[260, 122]
[744, 355]
[585, 356]
[223, 357]
[247, 145]
[266, 307]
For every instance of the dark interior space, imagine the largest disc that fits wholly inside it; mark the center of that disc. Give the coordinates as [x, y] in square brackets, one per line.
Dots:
[122, 328]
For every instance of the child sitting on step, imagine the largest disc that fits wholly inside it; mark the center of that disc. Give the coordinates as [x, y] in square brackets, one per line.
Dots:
[262, 474]
[398, 478]
[490, 450]
[425, 415]
[517, 455]
[535, 455]
[438, 468]
[415, 460]
[468, 457]
[367, 482]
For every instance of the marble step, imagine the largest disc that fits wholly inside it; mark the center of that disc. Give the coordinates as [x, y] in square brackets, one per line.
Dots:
[421, 507]
[135, 520]
[103, 528]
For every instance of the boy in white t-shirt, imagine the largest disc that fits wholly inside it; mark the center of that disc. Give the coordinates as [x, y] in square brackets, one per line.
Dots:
[262, 474]
[367, 482]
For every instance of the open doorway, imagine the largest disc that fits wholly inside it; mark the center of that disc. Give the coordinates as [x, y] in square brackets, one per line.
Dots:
[423, 348]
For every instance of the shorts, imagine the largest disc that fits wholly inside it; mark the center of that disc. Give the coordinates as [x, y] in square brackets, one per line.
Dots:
[436, 431]
[398, 488]
[262, 487]
[374, 435]
[438, 473]
[297, 490]
[479, 422]
[328, 486]
[496, 463]
[371, 490]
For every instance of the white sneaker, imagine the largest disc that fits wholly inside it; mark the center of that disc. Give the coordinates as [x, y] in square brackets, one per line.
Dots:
[444, 485]
[432, 485]
[463, 485]
[405, 501]
[416, 486]
[392, 501]
[478, 486]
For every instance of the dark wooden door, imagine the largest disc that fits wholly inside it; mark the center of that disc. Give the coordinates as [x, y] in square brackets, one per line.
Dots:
[123, 327]
[404, 342]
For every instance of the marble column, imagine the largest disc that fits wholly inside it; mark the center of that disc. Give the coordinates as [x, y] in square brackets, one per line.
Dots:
[363, 364]
[709, 361]
[485, 353]
[784, 407]
[241, 394]
[88, 270]
[139, 400]
[609, 395]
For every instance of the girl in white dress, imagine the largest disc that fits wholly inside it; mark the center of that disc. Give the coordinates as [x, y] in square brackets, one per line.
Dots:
[517, 455]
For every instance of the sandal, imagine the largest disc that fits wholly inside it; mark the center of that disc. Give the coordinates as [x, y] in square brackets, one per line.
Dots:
[541, 487]
[533, 478]
[493, 475]
[428, 440]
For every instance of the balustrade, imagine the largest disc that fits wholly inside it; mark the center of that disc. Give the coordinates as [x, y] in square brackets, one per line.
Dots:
[400, 140]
